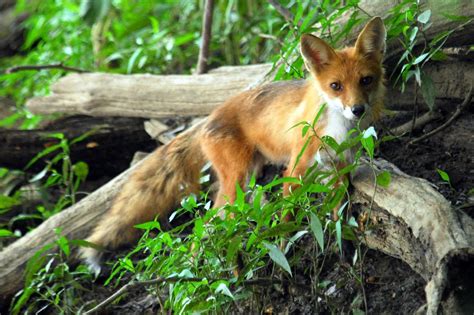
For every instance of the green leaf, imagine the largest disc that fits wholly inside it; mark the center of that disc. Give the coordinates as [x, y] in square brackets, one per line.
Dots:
[127, 264]
[318, 188]
[370, 132]
[81, 170]
[198, 229]
[383, 179]
[7, 202]
[280, 181]
[318, 115]
[39, 175]
[424, 17]
[63, 244]
[224, 289]
[439, 56]
[6, 233]
[278, 257]
[43, 153]
[413, 34]
[234, 245]
[369, 146]
[420, 58]
[240, 197]
[3, 171]
[304, 130]
[133, 58]
[252, 181]
[339, 234]
[293, 239]
[317, 230]
[444, 175]
[428, 90]
[300, 154]
[148, 225]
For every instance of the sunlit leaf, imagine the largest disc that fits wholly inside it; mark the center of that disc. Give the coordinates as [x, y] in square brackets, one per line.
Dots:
[317, 230]
[383, 179]
[277, 256]
[424, 17]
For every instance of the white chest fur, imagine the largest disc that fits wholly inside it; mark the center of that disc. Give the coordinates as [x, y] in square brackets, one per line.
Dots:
[337, 125]
[337, 128]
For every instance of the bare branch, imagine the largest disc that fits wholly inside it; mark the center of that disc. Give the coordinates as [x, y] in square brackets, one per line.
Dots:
[283, 11]
[206, 37]
[458, 111]
[41, 67]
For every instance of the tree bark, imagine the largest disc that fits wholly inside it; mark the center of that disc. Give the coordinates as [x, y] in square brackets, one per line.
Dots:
[150, 96]
[415, 223]
[147, 96]
[203, 58]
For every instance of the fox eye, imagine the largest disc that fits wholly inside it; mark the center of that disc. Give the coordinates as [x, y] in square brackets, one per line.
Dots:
[336, 86]
[366, 80]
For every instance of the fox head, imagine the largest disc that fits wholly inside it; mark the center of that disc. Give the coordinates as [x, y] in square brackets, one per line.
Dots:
[349, 80]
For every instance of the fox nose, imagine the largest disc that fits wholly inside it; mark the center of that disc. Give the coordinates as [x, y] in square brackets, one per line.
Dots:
[358, 110]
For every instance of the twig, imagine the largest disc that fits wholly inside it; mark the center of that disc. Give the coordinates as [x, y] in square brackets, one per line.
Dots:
[420, 122]
[132, 284]
[283, 11]
[41, 67]
[459, 109]
[415, 111]
[206, 37]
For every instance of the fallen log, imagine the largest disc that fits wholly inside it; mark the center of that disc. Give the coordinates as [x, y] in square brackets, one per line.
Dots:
[449, 89]
[414, 223]
[107, 150]
[150, 96]
[145, 95]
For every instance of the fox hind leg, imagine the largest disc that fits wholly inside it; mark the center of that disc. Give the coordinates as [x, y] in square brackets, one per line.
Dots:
[231, 160]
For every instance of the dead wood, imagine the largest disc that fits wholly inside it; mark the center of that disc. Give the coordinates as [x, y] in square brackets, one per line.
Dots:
[150, 96]
[420, 121]
[144, 95]
[413, 222]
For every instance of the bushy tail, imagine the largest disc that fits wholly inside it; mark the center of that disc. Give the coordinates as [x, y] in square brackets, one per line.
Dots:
[154, 189]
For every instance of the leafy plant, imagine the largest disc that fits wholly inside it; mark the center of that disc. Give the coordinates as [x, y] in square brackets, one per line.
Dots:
[444, 176]
[67, 177]
[50, 284]
[200, 254]
[409, 22]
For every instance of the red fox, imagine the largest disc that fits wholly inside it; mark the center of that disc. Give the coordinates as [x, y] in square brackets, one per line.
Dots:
[254, 124]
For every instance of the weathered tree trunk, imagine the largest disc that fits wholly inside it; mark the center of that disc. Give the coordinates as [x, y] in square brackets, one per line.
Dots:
[114, 139]
[100, 94]
[415, 223]
[144, 95]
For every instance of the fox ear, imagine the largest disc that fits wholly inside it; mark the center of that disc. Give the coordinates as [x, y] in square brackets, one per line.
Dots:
[316, 53]
[371, 40]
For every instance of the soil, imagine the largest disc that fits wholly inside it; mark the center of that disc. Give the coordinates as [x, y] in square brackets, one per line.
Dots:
[451, 150]
[388, 285]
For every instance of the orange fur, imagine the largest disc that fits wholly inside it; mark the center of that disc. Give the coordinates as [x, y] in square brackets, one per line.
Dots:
[248, 126]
